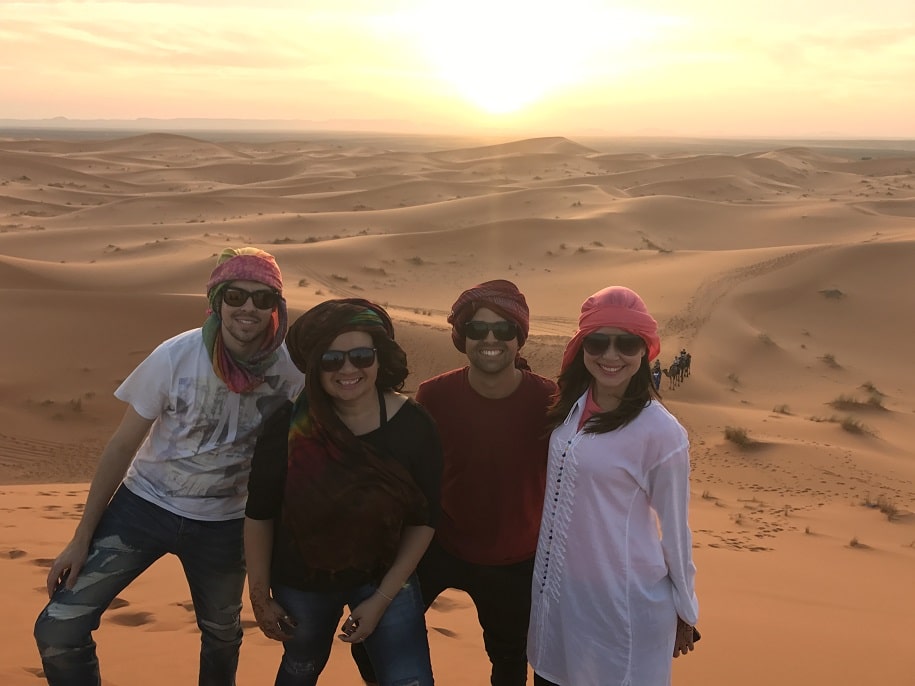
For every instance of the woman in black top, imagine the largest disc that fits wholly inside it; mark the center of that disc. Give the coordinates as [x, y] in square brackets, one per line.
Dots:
[342, 501]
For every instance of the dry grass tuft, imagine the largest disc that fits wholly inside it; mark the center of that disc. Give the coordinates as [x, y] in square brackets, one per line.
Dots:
[738, 436]
[853, 425]
[830, 360]
[883, 504]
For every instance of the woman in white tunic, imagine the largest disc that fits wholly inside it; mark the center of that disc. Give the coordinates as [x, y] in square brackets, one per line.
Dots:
[613, 591]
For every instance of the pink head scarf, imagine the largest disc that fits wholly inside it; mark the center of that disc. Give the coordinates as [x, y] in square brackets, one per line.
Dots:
[243, 264]
[618, 307]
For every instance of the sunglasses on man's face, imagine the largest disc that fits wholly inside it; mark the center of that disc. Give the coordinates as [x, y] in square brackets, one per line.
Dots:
[503, 331]
[333, 360]
[263, 299]
[625, 343]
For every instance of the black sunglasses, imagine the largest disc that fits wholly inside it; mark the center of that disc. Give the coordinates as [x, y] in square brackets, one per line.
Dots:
[263, 299]
[333, 360]
[625, 343]
[503, 331]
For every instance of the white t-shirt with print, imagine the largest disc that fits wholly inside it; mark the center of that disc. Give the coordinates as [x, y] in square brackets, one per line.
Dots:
[196, 458]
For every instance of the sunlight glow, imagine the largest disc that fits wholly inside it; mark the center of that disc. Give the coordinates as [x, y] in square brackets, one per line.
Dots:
[503, 56]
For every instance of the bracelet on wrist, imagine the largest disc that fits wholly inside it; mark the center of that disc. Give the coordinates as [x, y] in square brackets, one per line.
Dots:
[384, 595]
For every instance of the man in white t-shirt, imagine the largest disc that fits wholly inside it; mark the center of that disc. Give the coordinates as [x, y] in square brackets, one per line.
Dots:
[173, 477]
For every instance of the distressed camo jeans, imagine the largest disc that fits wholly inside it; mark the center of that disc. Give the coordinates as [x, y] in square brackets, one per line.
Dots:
[131, 536]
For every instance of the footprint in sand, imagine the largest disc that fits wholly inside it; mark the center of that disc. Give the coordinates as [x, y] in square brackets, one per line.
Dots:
[446, 604]
[35, 671]
[132, 618]
[445, 632]
[15, 553]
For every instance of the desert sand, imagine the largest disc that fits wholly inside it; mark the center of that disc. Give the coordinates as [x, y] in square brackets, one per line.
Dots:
[787, 272]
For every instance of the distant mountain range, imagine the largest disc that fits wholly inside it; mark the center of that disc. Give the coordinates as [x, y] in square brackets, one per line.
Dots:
[204, 124]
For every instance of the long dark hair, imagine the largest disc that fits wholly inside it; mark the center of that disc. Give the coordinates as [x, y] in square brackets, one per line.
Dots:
[576, 379]
[345, 502]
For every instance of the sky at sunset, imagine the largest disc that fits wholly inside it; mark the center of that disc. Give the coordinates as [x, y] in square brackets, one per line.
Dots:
[782, 68]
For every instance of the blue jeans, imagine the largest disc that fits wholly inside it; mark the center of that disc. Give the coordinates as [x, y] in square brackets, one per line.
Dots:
[132, 534]
[502, 597]
[398, 648]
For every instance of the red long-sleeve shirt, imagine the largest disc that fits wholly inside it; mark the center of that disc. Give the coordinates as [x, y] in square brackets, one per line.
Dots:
[495, 453]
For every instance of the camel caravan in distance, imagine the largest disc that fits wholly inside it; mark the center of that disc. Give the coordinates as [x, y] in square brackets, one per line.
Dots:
[675, 373]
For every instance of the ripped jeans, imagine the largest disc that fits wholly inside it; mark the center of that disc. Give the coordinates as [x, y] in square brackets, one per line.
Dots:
[398, 648]
[132, 534]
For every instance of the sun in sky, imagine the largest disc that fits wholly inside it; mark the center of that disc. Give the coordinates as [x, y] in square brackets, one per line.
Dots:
[502, 56]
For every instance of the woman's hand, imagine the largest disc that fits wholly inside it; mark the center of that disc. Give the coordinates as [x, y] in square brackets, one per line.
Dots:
[362, 621]
[683, 643]
[272, 618]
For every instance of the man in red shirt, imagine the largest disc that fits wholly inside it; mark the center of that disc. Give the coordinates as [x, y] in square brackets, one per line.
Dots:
[491, 417]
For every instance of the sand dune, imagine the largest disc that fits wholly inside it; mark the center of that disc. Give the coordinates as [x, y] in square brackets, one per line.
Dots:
[786, 272]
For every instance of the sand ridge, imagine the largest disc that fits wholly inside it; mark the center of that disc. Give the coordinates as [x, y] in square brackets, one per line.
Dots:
[786, 272]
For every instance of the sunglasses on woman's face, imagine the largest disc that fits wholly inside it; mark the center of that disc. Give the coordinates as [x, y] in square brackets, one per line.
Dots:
[503, 331]
[333, 360]
[625, 343]
[263, 299]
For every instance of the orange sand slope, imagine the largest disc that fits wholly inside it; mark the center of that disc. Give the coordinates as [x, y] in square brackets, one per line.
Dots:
[787, 274]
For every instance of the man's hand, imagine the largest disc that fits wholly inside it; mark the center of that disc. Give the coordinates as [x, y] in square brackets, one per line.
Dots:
[67, 566]
[683, 643]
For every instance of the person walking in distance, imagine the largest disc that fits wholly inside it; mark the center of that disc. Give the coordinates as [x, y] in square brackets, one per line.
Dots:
[492, 418]
[173, 477]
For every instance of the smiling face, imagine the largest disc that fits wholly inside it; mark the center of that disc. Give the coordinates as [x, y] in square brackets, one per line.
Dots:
[350, 384]
[489, 355]
[611, 370]
[244, 327]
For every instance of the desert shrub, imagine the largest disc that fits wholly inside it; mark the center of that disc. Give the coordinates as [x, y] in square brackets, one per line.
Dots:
[883, 504]
[737, 435]
[875, 400]
[766, 339]
[734, 379]
[781, 409]
[830, 360]
[875, 396]
[832, 293]
[852, 425]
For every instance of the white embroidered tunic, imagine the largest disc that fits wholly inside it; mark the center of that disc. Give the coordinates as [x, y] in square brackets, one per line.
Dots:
[608, 585]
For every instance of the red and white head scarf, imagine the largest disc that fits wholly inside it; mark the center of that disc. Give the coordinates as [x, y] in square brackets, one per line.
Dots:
[617, 307]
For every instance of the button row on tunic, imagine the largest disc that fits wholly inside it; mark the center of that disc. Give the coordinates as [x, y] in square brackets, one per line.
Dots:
[546, 555]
